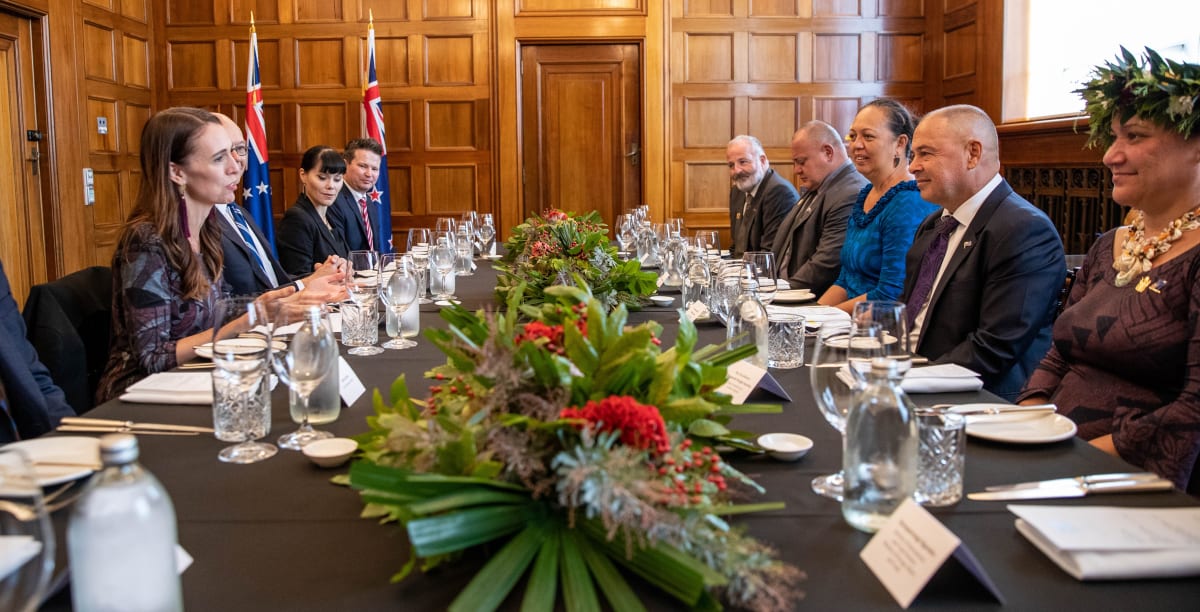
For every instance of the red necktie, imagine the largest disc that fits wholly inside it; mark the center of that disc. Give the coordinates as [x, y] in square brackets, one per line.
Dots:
[362, 207]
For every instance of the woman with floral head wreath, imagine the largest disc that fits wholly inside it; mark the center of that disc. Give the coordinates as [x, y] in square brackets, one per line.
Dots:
[168, 260]
[1125, 362]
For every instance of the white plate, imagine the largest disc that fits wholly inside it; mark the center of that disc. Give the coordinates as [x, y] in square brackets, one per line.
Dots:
[446, 302]
[1021, 427]
[794, 296]
[239, 345]
[60, 449]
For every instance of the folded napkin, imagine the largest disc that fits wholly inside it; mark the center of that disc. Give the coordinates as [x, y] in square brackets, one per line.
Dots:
[1115, 543]
[194, 388]
[825, 315]
[15, 551]
[942, 378]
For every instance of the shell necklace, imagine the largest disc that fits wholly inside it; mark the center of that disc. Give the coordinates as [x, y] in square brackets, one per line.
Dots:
[1139, 252]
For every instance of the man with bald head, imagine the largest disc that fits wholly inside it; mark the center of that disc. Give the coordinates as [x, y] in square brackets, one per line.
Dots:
[250, 265]
[759, 198]
[808, 245]
[984, 273]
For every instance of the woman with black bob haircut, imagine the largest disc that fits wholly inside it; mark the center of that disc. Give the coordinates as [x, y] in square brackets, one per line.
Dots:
[305, 236]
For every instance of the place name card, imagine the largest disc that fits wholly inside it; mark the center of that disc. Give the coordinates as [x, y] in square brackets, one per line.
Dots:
[744, 377]
[349, 385]
[697, 311]
[911, 548]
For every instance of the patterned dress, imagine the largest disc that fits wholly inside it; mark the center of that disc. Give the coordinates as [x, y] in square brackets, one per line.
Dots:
[878, 241]
[1127, 363]
[149, 312]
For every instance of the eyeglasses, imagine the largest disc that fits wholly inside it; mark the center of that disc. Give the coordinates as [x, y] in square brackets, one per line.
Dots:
[240, 150]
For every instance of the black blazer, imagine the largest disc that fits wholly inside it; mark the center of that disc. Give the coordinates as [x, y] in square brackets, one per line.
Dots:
[993, 307]
[347, 221]
[304, 240]
[755, 231]
[241, 271]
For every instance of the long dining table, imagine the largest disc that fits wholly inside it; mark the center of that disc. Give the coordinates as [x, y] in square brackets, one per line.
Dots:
[278, 535]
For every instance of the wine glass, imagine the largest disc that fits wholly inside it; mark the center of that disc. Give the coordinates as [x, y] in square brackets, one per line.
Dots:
[241, 392]
[444, 224]
[464, 250]
[619, 231]
[892, 319]
[25, 526]
[837, 374]
[398, 291]
[419, 239]
[762, 263]
[674, 227]
[362, 282]
[710, 241]
[442, 258]
[627, 235]
[306, 362]
[487, 236]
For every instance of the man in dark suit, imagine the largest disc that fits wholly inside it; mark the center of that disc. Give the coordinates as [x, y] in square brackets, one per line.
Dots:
[759, 198]
[808, 246]
[30, 403]
[355, 213]
[250, 266]
[984, 273]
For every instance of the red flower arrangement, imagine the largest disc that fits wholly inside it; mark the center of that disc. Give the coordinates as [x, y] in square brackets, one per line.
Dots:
[641, 426]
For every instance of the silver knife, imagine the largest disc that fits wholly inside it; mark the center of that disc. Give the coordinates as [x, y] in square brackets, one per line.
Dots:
[90, 422]
[112, 429]
[1075, 481]
[1076, 490]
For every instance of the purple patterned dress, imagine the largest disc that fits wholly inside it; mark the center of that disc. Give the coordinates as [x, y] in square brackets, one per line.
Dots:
[149, 312]
[1127, 363]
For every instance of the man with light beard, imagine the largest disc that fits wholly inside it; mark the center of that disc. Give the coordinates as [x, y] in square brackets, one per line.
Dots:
[759, 198]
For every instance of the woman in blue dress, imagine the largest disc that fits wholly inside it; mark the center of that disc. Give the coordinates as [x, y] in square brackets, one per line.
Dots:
[887, 212]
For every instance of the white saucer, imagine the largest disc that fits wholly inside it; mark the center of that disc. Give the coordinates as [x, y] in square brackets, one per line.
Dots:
[794, 296]
[447, 302]
[1021, 427]
[662, 300]
[61, 449]
[239, 346]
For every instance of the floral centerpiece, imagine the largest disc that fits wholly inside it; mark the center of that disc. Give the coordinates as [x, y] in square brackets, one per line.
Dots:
[585, 445]
[558, 248]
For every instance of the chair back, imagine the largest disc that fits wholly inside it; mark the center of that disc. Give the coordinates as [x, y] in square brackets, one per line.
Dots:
[1065, 292]
[68, 322]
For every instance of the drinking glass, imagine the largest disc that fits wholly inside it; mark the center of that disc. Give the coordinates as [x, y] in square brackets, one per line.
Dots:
[306, 362]
[464, 251]
[710, 240]
[241, 388]
[627, 234]
[487, 236]
[419, 239]
[675, 227]
[618, 231]
[362, 282]
[25, 526]
[442, 258]
[837, 373]
[762, 264]
[444, 224]
[398, 291]
[893, 326]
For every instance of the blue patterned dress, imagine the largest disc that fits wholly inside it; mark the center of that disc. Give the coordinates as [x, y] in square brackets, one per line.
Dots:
[149, 312]
[877, 242]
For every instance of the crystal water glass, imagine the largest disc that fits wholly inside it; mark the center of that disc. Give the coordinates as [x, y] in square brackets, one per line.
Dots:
[305, 363]
[399, 293]
[26, 526]
[837, 373]
[362, 282]
[241, 389]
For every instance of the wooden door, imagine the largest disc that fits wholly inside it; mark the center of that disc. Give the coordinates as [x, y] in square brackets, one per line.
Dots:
[22, 234]
[581, 128]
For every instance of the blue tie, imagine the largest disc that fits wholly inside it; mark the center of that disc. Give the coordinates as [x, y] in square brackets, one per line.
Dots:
[244, 229]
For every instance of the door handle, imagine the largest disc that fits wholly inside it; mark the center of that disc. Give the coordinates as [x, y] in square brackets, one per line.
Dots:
[635, 156]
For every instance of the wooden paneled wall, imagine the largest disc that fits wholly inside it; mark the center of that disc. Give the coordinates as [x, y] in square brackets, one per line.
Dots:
[432, 61]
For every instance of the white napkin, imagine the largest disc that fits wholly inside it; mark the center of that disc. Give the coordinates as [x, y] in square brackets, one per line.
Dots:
[942, 378]
[15, 551]
[193, 388]
[826, 315]
[1115, 543]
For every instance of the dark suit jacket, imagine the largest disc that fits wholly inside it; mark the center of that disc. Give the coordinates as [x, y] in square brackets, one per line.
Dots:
[755, 231]
[346, 219]
[304, 240]
[993, 307]
[241, 271]
[34, 404]
[817, 230]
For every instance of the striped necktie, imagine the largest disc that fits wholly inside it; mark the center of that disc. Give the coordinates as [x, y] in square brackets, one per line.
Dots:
[243, 228]
[366, 217]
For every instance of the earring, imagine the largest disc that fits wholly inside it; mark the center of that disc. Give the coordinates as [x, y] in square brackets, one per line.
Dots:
[183, 220]
[896, 162]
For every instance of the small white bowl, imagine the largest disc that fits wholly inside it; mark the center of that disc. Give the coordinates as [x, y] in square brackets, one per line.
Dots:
[330, 452]
[785, 446]
[662, 300]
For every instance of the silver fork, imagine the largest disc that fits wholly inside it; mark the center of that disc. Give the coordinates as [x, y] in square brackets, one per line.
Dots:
[21, 512]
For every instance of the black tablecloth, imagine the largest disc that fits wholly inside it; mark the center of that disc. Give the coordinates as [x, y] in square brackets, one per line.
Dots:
[277, 535]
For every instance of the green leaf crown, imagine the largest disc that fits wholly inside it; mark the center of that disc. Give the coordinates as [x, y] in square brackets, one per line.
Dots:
[1159, 90]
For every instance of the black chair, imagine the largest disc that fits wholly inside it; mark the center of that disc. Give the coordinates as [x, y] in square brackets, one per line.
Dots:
[1065, 292]
[68, 322]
